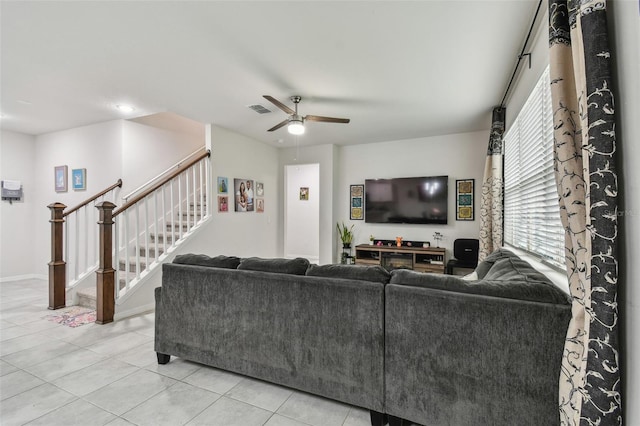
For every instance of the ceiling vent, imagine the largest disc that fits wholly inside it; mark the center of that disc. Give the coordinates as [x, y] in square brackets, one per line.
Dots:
[259, 109]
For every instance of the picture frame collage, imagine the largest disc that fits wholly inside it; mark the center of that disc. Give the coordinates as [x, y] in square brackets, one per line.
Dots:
[61, 179]
[247, 195]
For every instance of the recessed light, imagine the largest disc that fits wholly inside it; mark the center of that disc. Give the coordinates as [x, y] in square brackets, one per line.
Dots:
[125, 108]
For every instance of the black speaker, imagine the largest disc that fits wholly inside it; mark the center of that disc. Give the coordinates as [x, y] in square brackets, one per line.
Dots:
[466, 250]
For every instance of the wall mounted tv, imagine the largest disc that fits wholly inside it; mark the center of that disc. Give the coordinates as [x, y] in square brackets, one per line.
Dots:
[421, 200]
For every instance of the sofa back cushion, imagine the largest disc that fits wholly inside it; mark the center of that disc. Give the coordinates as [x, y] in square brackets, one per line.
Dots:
[297, 266]
[518, 287]
[514, 268]
[374, 273]
[226, 262]
[484, 266]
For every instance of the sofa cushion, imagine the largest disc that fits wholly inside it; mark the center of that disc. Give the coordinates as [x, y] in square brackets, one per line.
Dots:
[375, 273]
[227, 262]
[519, 289]
[514, 268]
[484, 266]
[297, 266]
[471, 277]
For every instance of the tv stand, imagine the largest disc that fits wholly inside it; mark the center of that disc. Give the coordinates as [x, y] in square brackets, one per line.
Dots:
[420, 259]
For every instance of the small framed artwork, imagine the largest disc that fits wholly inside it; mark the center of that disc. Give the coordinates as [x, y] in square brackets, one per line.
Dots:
[223, 185]
[60, 175]
[464, 199]
[260, 205]
[356, 202]
[304, 194]
[79, 179]
[223, 203]
[259, 189]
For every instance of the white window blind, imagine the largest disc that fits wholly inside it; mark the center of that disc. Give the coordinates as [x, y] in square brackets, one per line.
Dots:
[531, 209]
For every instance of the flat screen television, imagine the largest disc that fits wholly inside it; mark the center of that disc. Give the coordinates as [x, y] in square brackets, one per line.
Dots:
[421, 200]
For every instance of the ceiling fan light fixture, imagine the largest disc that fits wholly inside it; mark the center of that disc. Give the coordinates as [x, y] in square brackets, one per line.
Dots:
[295, 126]
[125, 108]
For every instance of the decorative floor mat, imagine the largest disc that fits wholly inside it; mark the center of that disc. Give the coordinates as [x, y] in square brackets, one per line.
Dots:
[73, 316]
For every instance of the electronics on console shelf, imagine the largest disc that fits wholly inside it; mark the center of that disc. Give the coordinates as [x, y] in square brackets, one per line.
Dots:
[393, 243]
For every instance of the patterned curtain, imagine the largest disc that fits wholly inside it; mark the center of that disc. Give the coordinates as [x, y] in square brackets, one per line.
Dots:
[584, 153]
[491, 202]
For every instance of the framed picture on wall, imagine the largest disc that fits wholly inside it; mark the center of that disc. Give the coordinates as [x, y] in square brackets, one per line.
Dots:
[259, 189]
[304, 193]
[79, 179]
[60, 176]
[243, 190]
[464, 199]
[356, 202]
[223, 203]
[223, 185]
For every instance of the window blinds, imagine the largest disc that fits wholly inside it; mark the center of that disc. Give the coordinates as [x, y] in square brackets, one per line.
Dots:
[531, 209]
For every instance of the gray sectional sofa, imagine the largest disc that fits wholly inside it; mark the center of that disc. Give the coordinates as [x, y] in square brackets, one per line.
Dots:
[431, 349]
[269, 320]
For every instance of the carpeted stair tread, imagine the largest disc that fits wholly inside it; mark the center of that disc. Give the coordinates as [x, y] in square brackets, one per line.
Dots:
[87, 297]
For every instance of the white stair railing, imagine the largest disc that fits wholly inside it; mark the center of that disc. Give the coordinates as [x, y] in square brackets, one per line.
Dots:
[81, 236]
[74, 244]
[150, 225]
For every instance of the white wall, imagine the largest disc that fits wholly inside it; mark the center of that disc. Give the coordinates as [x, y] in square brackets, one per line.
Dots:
[157, 148]
[624, 23]
[249, 233]
[96, 148]
[113, 150]
[16, 231]
[527, 78]
[238, 234]
[459, 156]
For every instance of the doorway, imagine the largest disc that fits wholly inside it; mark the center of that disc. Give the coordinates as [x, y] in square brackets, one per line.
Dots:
[302, 211]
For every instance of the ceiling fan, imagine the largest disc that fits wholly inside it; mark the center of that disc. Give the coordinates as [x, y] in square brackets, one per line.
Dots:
[296, 122]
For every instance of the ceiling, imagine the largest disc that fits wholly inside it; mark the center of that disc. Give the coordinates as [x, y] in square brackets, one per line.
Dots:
[397, 69]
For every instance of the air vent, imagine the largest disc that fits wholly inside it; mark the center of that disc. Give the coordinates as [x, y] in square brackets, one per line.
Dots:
[259, 109]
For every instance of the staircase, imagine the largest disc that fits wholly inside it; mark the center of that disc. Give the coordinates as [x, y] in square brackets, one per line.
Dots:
[141, 234]
[128, 268]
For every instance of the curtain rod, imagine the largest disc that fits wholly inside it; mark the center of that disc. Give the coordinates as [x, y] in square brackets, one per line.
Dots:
[522, 55]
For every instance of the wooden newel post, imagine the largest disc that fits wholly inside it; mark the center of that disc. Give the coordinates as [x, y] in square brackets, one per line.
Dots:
[57, 266]
[105, 275]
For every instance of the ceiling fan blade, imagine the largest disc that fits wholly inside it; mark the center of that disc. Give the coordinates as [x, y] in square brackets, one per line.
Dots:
[326, 119]
[277, 126]
[279, 104]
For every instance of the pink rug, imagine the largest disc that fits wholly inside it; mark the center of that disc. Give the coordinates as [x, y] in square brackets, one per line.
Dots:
[73, 316]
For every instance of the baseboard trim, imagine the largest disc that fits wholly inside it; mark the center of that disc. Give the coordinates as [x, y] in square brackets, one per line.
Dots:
[133, 312]
[24, 277]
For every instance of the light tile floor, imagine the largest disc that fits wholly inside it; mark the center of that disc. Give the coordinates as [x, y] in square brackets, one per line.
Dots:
[52, 375]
